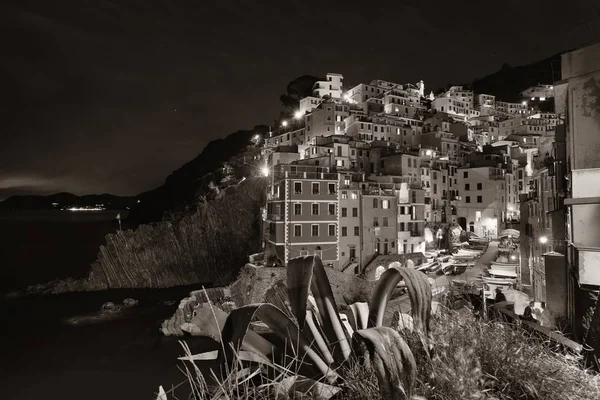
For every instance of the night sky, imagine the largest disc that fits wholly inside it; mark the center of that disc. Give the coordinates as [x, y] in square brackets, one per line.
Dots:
[111, 96]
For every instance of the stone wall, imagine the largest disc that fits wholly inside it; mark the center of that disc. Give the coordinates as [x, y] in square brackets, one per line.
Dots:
[254, 282]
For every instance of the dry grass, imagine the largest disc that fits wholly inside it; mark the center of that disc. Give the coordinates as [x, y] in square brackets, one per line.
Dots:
[472, 359]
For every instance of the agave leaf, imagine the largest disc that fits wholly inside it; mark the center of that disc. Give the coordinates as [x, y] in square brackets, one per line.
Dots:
[391, 359]
[287, 387]
[315, 335]
[419, 293]
[299, 276]
[236, 328]
[161, 394]
[332, 325]
[360, 311]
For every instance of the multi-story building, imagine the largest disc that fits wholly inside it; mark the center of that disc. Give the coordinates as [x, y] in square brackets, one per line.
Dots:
[332, 86]
[302, 212]
[577, 97]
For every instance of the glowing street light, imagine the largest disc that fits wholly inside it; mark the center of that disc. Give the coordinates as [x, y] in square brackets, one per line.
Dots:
[513, 257]
[265, 170]
[524, 103]
[298, 114]
[346, 96]
[284, 123]
[543, 240]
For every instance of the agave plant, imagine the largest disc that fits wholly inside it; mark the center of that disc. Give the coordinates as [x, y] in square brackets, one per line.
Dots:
[317, 338]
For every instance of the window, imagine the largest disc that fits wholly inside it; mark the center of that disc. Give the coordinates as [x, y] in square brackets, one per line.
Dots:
[435, 188]
[375, 203]
[468, 199]
[409, 161]
[356, 231]
[480, 199]
[355, 212]
[297, 230]
[344, 194]
[401, 229]
[465, 174]
[315, 209]
[314, 230]
[315, 188]
[480, 186]
[375, 221]
[331, 209]
[331, 230]
[467, 186]
[298, 209]
[354, 195]
[344, 231]
[332, 188]
[298, 187]
[385, 221]
[344, 212]
[477, 215]
[385, 204]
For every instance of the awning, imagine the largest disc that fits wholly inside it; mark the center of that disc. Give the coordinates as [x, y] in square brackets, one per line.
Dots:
[510, 232]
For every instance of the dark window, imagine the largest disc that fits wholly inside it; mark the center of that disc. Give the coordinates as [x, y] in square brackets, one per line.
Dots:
[375, 203]
[344, 231]
[355, 212]
[315, 188]
[344, 212]
[356, 231]
[385, 221]
[332, 188]
[467, 186]
[468, 199]
[298, 187]
[315, 209]
[297, 209]
[331, 230]
[465, 174]
[479, 199]
[315, 230]
[479, 186]
[331, 209]
[297, 230]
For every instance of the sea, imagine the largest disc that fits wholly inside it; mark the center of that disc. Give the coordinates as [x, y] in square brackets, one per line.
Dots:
[43, 354]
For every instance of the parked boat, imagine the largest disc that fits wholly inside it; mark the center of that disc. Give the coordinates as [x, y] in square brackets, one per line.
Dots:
[501, 273]
[427, 266]
[505, 264]
[498, 281]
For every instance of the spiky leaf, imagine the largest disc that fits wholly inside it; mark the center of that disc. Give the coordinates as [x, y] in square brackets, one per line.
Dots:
[236, 328]
[323, 295]
[419, 293]
[391, 359]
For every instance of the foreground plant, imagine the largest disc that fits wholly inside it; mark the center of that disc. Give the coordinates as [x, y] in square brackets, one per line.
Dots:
[315, 346]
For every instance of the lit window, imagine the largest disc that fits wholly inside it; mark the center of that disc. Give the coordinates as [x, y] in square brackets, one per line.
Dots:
[354, 195]
[344, 194]
[385, 204]
[477, 215]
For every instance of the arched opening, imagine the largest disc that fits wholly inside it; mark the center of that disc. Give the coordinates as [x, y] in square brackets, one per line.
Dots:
[377, 246]
[386, 249]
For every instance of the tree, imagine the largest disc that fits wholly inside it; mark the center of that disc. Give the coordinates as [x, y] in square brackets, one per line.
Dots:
[298, 89]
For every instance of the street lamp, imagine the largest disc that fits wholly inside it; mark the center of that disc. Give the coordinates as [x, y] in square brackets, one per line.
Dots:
[543, 240]
[298, 114]
[284, 123]
[265, 170]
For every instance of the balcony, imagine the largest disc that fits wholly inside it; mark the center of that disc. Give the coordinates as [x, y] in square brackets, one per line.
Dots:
[275, 217]
[416, 233]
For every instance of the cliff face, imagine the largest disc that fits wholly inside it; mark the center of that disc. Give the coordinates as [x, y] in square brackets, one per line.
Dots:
[208, 245]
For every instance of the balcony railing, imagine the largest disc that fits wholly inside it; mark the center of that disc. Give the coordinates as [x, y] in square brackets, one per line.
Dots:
[416, 233]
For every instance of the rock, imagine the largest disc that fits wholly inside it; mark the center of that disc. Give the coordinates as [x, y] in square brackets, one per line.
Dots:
[208, 321]
[109, 306]
[130, 302]
[402, 321]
